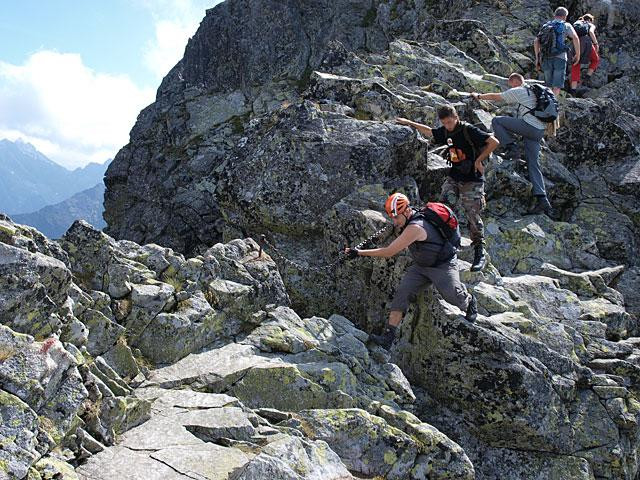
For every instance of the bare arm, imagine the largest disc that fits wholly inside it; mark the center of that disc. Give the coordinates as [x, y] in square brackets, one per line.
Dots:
[488, 96]
[576, 45]
[490, 146]
[536, 49]
[594, 40]
[423, 129]
[410, 234]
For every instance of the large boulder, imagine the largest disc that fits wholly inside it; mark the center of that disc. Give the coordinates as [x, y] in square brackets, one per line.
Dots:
[42, 398]
[318, 363]
[367, 444]
[165, 305]
[527, 381]
[33, 290]
[22, 439]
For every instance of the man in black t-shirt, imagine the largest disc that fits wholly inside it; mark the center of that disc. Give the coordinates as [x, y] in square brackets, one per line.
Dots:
[468, 148]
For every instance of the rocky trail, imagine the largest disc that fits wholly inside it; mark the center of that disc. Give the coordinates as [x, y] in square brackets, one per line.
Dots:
[167, 347]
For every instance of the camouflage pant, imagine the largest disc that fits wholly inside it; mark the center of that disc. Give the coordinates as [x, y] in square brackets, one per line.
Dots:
[471, 196]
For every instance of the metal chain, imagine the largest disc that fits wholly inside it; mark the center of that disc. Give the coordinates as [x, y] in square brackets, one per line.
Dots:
[321, 269]
[370, 238]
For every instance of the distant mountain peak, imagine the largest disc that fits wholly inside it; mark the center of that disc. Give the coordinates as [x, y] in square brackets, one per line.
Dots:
[29, 180]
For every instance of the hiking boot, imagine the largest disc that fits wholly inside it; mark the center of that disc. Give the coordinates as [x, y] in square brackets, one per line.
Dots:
[541, 206]
[386, 339]
[479, 258]
[472, 310]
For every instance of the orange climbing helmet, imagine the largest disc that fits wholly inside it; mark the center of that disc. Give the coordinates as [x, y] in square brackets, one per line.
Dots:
[396, 204]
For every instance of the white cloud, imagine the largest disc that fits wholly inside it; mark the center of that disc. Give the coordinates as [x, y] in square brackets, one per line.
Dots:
[71, 113]
[175, 22]
[75, 115]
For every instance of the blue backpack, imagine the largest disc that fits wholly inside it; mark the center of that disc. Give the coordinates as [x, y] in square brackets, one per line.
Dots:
[551, 38]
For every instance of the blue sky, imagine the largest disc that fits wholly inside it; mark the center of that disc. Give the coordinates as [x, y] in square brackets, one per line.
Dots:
[109, 35]
[74, 74]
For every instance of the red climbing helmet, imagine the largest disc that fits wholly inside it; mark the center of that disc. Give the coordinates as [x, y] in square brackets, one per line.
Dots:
[396, 204]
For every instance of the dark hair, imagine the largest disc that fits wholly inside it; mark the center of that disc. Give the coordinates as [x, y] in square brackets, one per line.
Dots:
[588, 17]
[447, 111]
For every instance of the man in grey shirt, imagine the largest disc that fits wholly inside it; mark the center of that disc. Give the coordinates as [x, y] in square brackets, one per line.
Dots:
[526, 125]
[554, 65]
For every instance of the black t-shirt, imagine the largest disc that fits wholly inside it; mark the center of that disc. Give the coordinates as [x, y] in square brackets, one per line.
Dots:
[464, 170]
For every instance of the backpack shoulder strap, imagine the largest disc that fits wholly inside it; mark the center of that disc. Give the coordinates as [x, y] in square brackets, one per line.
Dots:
[530, 110]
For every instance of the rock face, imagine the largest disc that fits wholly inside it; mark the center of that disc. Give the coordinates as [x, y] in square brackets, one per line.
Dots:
[519, 378]
[240, 144]
[258, 357]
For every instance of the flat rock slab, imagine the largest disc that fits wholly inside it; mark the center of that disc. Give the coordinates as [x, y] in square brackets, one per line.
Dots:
[125, 464]
[207, 461]
[202, 462]
[215, 423]
[158, 433]
[211, 366]
[164, 400]
[168, 446]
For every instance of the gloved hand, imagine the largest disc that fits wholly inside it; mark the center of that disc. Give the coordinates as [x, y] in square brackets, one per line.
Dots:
[351, 253]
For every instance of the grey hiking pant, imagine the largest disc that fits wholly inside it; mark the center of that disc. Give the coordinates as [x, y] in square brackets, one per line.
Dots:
[504, 127]
[445, 278]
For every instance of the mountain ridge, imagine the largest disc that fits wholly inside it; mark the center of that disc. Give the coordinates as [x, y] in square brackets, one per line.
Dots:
[55, 220]
[30, 181]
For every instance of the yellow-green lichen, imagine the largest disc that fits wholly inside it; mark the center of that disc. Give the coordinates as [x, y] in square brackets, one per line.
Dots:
[328, 375]
[50, 428]
[390, 457]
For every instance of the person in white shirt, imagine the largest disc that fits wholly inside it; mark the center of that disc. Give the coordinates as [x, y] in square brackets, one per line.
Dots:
[526, 125]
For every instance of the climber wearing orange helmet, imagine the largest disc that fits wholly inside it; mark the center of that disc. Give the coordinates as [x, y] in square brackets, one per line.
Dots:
[434, 258]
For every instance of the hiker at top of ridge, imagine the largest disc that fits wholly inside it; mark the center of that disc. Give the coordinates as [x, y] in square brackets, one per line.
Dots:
[527, 124]
[468, 148]
[551, 48]
[589, 51]
[432, 237]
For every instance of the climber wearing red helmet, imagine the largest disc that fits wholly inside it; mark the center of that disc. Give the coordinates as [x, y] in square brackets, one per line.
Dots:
[434, 258]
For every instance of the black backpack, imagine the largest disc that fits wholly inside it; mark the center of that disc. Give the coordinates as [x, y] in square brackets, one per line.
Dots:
[581, 27]
[546, 109]
[551, 38]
